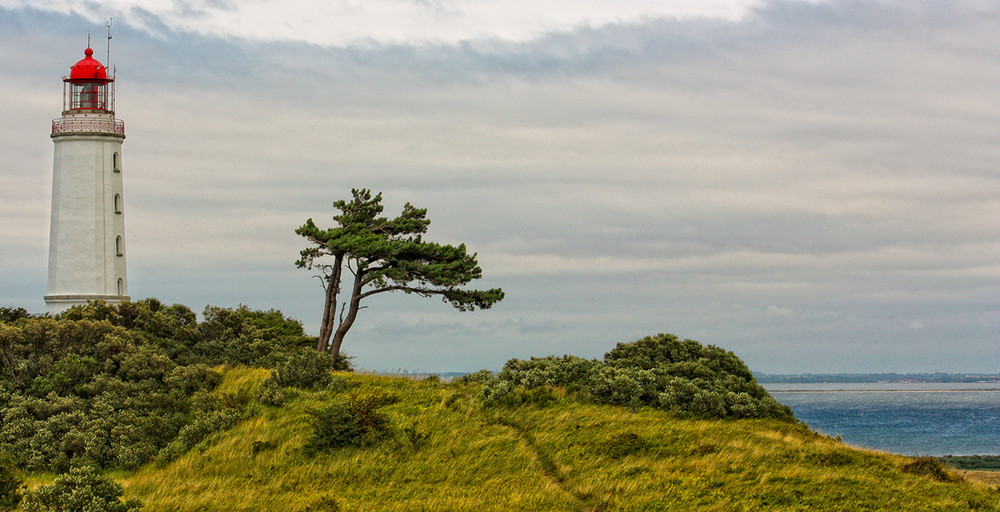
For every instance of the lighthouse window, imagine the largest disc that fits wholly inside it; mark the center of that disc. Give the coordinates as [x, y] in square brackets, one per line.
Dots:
[88, 95]
[116, 165]
[118, 203]
[118, 246]
[121, 286]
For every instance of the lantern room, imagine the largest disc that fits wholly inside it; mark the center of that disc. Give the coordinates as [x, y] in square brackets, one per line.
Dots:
[88, 88]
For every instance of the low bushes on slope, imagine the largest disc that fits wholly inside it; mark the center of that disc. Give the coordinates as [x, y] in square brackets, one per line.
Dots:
[117, 386]
[10, 483]
[659, 371]
[83, 489]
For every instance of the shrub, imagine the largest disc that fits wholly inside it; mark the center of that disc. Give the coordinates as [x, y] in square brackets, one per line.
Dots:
[480, 377]
[10, 483]
[365, 410]
[497, 392]
[931, 467]
[334, 427]
[631, 387]
[193, 378]
[11, 315]
[504, 393]
[342, 363]
[355, 421]
[106, 422]
[686, 358]
[145, 362]
[272, 395]
[305, 369]
[82, 490]
[113, 385]
[243, 336]
[658, 371]
[570, 372]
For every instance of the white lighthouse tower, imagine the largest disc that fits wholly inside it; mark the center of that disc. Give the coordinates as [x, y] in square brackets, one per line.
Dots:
[87, 234]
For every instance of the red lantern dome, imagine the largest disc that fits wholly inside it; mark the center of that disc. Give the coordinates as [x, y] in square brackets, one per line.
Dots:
[88, 87]
[88, 68]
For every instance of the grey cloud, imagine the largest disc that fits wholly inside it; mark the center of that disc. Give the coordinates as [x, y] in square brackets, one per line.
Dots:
[835, 160]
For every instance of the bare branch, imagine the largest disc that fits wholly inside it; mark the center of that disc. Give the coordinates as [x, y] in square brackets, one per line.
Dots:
[325, 277]
[322, 281]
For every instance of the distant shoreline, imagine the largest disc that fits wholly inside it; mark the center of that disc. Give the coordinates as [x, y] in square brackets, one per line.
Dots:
[878, 378]
[954, 390]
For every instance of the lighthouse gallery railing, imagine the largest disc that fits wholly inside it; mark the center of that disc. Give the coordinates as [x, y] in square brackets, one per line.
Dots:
[109, 126]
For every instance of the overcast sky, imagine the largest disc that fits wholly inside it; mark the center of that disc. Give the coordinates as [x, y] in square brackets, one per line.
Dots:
[812, 185]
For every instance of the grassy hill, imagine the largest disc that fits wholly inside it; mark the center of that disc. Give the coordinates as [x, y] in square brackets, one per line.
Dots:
[213, 415]
[445, 451]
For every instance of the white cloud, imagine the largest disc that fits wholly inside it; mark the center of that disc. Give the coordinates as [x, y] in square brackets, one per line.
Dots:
[384, 21]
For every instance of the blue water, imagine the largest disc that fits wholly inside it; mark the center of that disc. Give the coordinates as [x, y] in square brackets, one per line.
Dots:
[905, 418]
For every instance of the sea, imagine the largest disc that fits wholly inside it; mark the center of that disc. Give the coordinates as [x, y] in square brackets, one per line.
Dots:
[908, 418]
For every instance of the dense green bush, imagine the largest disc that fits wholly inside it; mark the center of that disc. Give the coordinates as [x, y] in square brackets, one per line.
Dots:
[658, 371]
[306, 369]
[239, 336]
[192, 378]
[11, 315]
[10, 483]
[570, 372]
[342, 363]
[115, 385]
[633, 387]
[83, 489]
[504, 393]
[480, 377]
[354, 421]
[930, 467]
[334, 426]
[270, 394]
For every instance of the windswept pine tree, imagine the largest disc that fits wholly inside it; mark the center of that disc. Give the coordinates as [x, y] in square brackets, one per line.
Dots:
[384, 255]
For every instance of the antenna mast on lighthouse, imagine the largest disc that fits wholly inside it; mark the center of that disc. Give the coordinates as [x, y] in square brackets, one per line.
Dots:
[107, 61]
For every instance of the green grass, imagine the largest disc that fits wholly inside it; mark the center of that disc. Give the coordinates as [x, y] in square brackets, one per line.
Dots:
[448, 453]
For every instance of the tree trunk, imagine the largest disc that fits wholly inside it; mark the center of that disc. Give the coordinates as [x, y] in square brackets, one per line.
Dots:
[352, 314]
[330, 306]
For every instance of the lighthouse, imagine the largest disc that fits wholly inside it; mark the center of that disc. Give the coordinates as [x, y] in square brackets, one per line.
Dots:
[87, 231]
